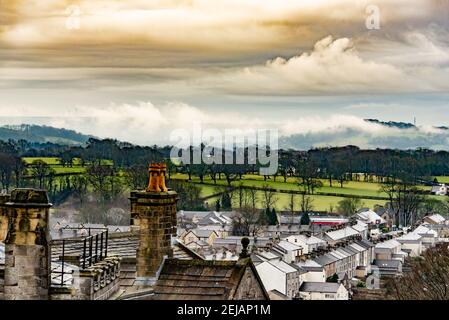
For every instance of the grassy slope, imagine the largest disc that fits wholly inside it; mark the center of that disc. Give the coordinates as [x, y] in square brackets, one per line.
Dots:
[320, 202]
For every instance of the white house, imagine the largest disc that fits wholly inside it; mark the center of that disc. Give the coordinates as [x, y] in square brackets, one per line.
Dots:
[435, 219]
[389, 250]
[290, 251]
[412, 243]
[370, 217]
[281, 276]
[363, 262]
[197, 235]
[429, 236]
[388, 267]
[361, 228]
[314, 272]
[307, 243]
[439, 190]
[333, 237]
[323, 291]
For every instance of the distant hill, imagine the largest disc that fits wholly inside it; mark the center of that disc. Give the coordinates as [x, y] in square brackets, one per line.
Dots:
[392, 124]
[42, 134]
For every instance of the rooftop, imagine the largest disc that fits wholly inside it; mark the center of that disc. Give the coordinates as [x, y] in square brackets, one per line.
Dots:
[341, 233]
[411, 236]
[389, 244]
[328, 287]
[200, 280]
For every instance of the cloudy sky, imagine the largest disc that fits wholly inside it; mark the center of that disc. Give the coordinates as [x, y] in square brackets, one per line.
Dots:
[137, 69]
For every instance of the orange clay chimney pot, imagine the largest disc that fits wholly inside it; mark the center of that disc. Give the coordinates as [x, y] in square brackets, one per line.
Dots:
[163, 170]
[154, 177]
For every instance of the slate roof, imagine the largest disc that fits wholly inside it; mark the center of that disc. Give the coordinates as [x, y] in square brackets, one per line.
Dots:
[330, 287]
[276, 295]
[325, 260]
[425, 231]
[409, 237]
[437, 218]
[309, 265]
[341, 233]
[365, 243]
[360, 226]
[393, 264]
[201, 280]
[288, 246]
[215, 218]
[123, 245]
[370, 216]
[389, 244]
[201, 233]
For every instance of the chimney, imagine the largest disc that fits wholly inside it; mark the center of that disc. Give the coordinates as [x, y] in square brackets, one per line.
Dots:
[244, 253]
[27, 253]
[4, 220]
[153, 218]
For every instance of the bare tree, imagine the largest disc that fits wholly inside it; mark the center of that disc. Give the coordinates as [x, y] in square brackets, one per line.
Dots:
[349, 206]
[79, 186]
[252, 193]
[427, 280]
[269, 196]
[306, 203]
[136, 177]
[6, 169]
[39, 171]
[291, 207]
[248, 222]
[405, 199]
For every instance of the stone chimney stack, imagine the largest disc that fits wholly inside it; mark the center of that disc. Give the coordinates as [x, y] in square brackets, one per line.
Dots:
[27, 253]
[153, 217]
[4, 220]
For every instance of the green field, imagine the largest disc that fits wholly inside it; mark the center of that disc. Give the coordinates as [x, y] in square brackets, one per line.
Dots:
[55, 164]
[319, 203]
[47, 160]
[350, 188]
[442, 179]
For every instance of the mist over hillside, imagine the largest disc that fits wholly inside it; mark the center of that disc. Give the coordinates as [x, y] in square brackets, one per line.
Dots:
[366, 133]
[375, 134]
[42, 134]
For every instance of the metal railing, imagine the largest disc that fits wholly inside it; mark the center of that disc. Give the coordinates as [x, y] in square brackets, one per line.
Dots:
[91, 255]
[92, 248]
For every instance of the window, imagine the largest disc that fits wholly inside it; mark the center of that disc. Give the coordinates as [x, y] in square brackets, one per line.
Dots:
[329, 296]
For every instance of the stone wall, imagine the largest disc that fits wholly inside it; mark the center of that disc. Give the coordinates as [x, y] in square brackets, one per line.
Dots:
[3, 217]
[2, 275]
[98, 282]
[153, 216]
[249, 288]
[27, 258]
[3, 231]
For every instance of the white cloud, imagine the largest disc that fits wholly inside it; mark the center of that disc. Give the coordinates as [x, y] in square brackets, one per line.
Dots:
[333, 66]
[330, 124]
[141, 123]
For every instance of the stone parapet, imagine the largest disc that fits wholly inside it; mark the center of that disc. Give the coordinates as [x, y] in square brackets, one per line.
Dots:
[97, 282]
